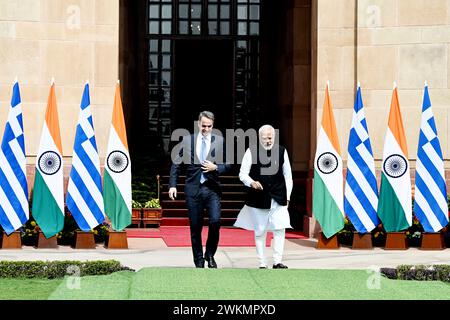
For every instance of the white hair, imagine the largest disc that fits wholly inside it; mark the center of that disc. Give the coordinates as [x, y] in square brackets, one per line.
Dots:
[266, 127]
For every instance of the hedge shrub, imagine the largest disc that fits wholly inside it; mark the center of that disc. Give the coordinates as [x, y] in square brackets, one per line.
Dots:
[58, 269]
[390, 273]
[418, 272]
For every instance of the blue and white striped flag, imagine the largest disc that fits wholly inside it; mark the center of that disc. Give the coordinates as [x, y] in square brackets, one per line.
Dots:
[361, 191]
[14, 210]
[430, 204]
[84, 192]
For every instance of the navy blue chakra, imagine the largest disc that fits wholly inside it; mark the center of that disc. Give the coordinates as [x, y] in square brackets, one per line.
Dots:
[117, 161]
[395, 166]
[49, 162]
[327, 163]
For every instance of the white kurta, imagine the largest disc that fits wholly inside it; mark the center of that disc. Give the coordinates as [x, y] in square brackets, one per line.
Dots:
[261, 220]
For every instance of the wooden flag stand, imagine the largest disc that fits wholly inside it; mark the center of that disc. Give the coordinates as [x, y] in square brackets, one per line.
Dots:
[396, 241]
[84, 240]
[45, 243]
[13, 241]
[116, 240]
[432, 241]
[327, 243]
[362, 241]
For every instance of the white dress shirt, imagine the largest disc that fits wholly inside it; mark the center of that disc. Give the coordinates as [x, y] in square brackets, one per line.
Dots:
[198, 145]
[261, 220]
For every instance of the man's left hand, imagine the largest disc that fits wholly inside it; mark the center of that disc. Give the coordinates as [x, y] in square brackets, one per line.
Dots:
[208, 166]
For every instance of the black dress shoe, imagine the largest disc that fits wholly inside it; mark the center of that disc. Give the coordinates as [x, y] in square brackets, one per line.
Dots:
[279, 266]
[200, 264]
[211, 262]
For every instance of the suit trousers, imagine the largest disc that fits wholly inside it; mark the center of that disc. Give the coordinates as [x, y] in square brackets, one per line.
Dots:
[208, 199]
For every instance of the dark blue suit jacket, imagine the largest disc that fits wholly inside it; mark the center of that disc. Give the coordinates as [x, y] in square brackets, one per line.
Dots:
[188, 157]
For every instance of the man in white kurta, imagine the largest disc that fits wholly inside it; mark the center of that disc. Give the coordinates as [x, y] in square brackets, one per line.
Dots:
[275, 217]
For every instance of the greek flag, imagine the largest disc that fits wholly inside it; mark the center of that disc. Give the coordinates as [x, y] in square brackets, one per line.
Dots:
[361, 192]
[430, 204]
[84, 192]
[14, 210]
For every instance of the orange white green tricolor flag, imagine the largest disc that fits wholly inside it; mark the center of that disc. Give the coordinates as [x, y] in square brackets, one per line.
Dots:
[328, 191]
[394, 205]
[48, 191]
[117, 175]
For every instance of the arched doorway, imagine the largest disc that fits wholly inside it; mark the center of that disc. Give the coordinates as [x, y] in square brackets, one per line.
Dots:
[255, 55]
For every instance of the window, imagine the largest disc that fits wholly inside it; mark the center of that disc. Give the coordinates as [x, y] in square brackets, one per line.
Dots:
[160, 17]
[219, 17]
[248, 17]
[169, 20]
[160, 85]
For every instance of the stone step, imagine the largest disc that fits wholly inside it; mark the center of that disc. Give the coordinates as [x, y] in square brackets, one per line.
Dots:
[231, 179]
[174, 213]
[228, 195]
[226, 187]
[185, 221]
[181, 204]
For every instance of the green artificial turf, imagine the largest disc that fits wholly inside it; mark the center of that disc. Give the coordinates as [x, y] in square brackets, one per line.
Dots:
[114, 286]
[248, 284]
[27, 289]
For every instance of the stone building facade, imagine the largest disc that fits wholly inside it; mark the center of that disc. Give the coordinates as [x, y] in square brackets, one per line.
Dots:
[376, 43]
[72, 41]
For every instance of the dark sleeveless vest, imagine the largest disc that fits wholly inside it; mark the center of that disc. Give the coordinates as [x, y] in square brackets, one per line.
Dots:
[274, 185]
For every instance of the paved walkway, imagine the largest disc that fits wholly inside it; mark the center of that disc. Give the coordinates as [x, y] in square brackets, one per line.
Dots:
[298, 254]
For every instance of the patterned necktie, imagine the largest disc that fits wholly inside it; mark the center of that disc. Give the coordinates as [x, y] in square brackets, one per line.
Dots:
[203, 158]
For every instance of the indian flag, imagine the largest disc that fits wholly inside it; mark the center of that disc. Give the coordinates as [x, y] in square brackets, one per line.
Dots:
[117, 175]
[394, 206]
[328, 191]
[48, 191]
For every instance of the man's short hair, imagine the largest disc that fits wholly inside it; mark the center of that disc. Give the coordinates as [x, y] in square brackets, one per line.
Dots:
[266, 127]
[206, 114]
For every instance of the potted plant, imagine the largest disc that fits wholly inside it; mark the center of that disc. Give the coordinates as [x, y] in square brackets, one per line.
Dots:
[101, 232]
[414, 233]
[345, 236]
[151, 212]
[136, 212]
[379, 236]
[145, 195]
[30, 232]
[66, 237]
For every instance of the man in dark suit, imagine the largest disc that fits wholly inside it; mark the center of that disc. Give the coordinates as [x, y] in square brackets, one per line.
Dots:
[202, 154]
